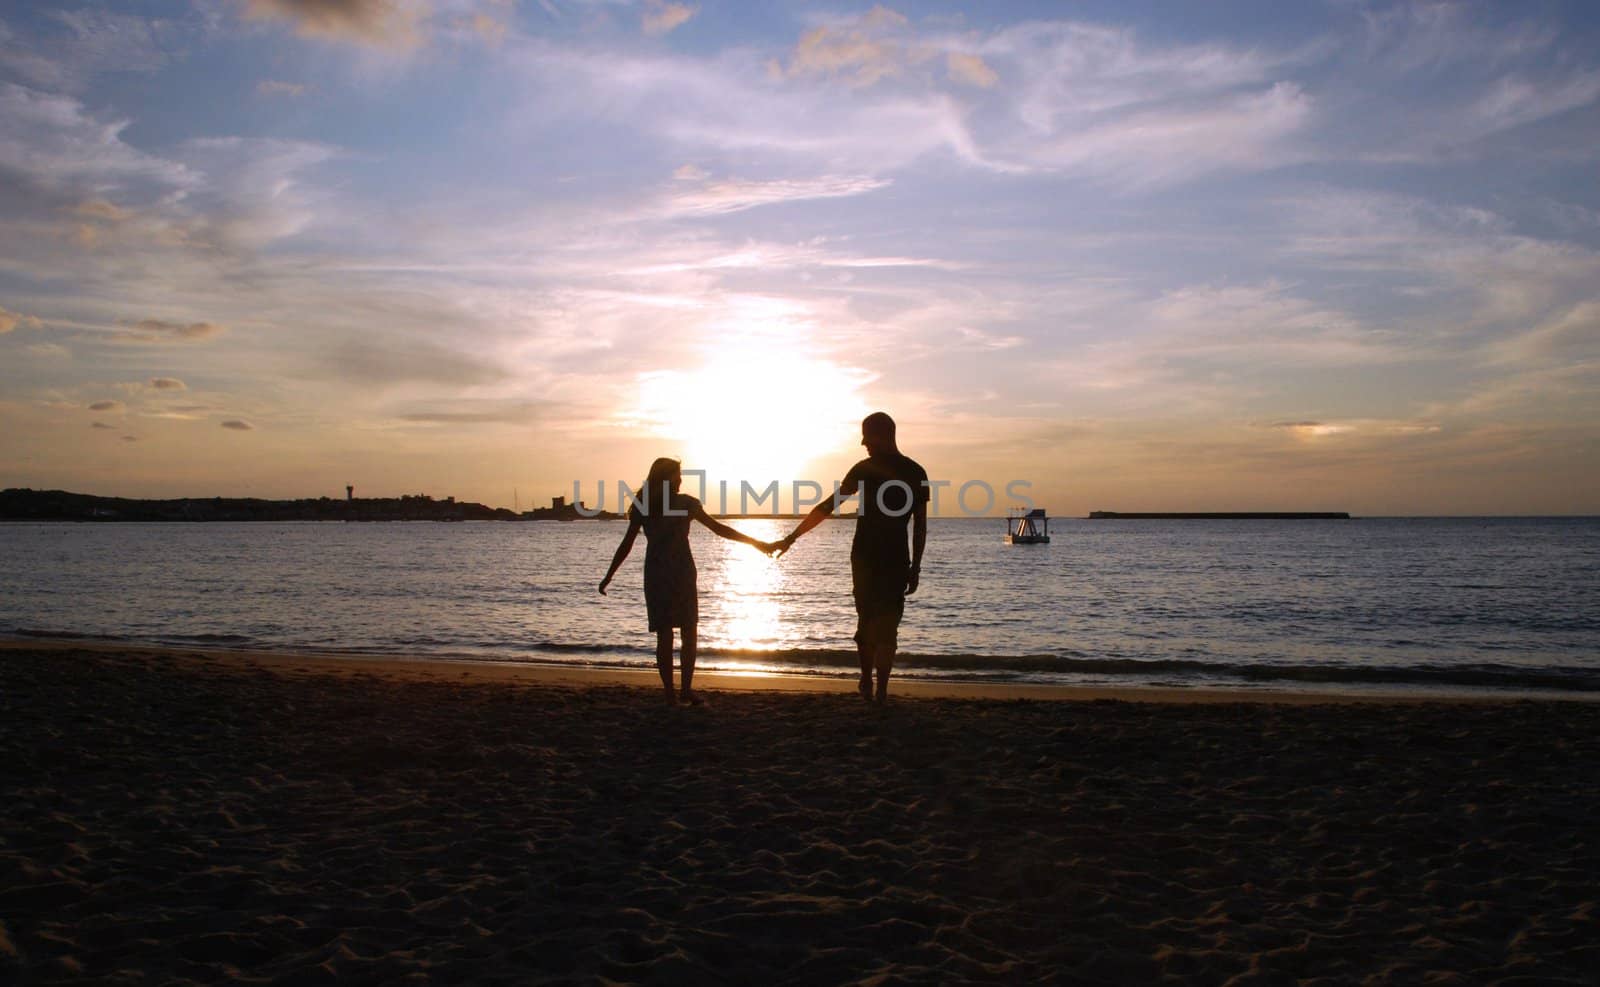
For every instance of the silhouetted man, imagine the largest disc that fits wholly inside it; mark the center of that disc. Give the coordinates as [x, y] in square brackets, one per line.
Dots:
[893, 489]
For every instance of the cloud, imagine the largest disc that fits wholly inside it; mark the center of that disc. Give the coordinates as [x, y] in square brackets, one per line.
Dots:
[75, 46]
[274, 87]
[1478, 276]
[100, 209]
[1079, 100]
[48, 351]
[1570, 338]
[1263, 324]
[238, 425]
[660, 17]
[491, 30]
[106, 406]
[130, 438]
[168, 384]
[163, 331]
[1104, 103]
[8, 321]
[78, 200]
[1311, 430]
[1515, 100]
[52, 145]
[735, 196]
[252, 192]
[388, 23]
[970, 69]
[1354, 428]
[862, 50]
[725, 105]
[479, 412]
[1245, 132]
[978, 339]
[102, 425]
[393, 361]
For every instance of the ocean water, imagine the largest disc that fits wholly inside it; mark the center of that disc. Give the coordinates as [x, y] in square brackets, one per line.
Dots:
[1506, 604]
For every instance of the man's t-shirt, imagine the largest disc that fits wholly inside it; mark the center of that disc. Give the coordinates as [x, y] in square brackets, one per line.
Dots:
[890, 487]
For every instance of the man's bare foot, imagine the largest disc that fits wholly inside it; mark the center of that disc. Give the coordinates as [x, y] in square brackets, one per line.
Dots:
[865, 688]
[693, 698]
[883, 693]
[672, 697]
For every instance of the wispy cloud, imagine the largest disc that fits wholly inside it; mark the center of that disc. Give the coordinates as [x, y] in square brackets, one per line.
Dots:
[238, 425]
[277, 87]
[51, 145]
[376, 22]
[79, 45]
[862, 50]
[10, 320]
[714, 198]
[971, 69]
[479, 412]
[163, 331]
[661, 17]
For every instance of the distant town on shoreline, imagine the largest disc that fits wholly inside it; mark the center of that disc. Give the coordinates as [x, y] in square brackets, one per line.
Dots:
[22, 504]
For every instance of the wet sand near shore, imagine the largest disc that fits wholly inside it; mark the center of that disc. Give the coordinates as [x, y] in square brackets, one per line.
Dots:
[191, 817]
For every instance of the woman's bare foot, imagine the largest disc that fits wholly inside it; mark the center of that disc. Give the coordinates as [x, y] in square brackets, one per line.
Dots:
[865, 688]
[672, 697]
[693, 698]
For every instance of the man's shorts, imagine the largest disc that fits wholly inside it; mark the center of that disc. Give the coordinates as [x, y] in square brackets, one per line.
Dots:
[880, 592]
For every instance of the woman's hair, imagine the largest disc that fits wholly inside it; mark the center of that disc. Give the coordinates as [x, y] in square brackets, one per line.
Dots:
[662, 472]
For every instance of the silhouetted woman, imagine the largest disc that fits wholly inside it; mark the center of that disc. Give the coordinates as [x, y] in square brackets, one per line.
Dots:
[671, 597]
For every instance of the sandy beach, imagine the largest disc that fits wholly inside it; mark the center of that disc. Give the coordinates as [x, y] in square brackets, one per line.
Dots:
[187, 817]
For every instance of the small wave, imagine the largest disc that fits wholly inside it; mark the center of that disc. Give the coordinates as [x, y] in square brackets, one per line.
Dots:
[1044, 667]
[65, 635]
[209, 638]
[1038, 668]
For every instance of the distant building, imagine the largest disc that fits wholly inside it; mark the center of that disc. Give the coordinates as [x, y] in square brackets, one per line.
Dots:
[558, 503]
[349, 493]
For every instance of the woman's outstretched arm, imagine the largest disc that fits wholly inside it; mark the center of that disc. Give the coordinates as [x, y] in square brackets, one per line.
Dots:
[730, 532]
[622, 553]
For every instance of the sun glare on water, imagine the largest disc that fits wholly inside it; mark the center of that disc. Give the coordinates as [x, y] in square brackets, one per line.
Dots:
[758, 414]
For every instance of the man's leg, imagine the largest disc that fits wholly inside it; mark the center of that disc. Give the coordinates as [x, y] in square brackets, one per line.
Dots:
[866, 652]
[664, 662]
[884, 660]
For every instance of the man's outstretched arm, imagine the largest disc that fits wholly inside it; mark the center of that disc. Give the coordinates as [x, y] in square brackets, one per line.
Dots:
[817, 515]
[919, 539]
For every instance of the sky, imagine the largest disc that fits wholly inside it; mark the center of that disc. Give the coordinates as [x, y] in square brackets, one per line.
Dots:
[1141, 256]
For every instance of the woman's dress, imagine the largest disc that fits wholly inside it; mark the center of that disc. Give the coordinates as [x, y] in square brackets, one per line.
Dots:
[671, 596]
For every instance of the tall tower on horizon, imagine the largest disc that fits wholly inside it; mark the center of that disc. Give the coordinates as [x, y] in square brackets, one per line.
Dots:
[349, 492]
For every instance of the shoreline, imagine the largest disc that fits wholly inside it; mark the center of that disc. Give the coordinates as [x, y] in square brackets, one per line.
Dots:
[422, 667]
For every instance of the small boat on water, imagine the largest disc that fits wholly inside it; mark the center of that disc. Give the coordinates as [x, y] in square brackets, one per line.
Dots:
[1028, 527]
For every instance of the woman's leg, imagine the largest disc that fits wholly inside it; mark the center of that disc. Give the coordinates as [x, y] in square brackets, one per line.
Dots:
[690, 645]
[664, 662]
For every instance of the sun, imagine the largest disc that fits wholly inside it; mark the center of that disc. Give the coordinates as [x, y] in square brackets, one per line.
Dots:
[754, 413]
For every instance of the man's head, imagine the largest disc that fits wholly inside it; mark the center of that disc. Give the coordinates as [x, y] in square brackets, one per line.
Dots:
[877, 434]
